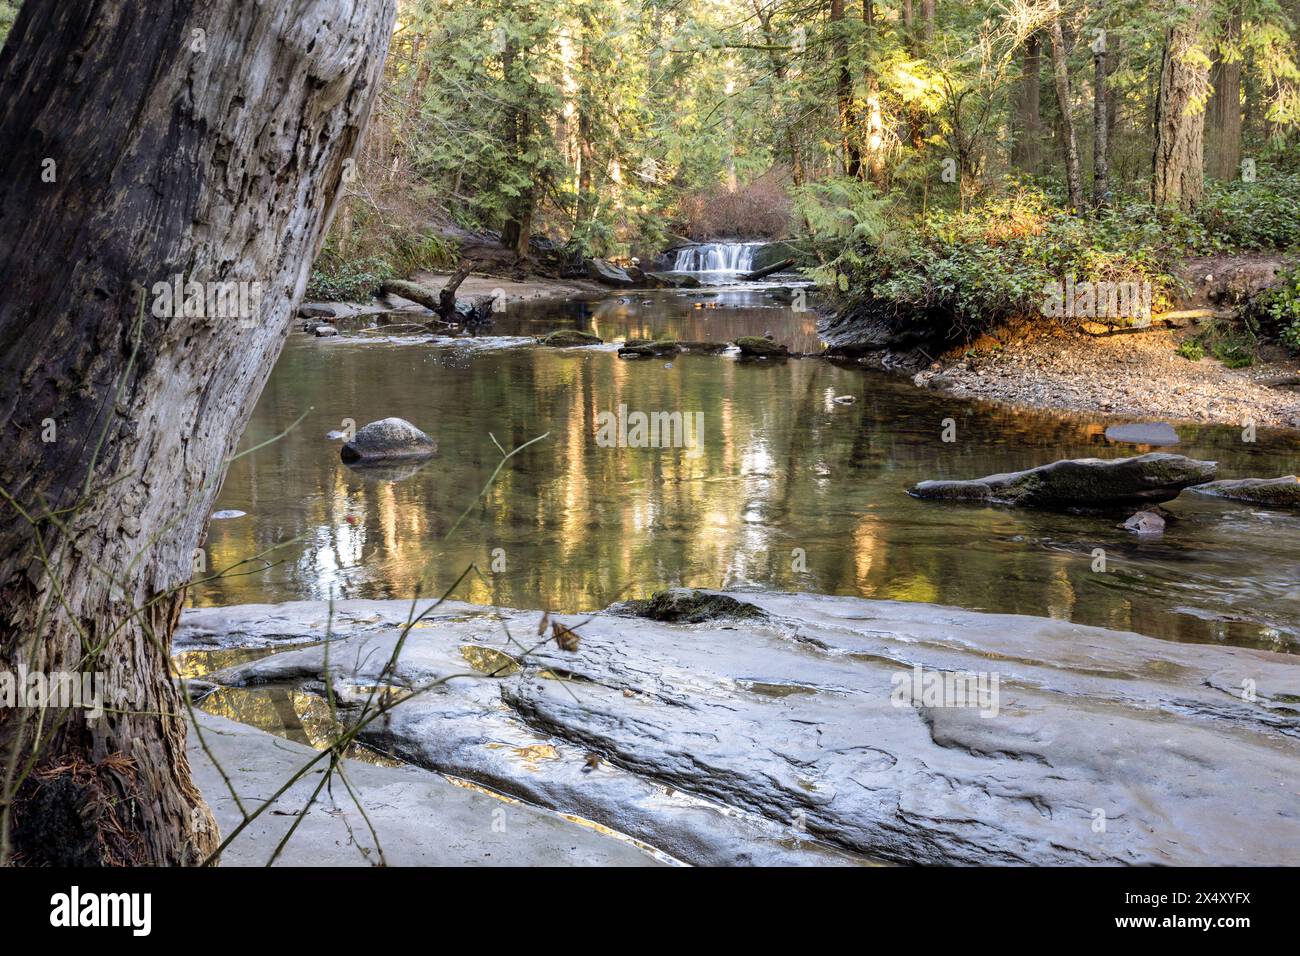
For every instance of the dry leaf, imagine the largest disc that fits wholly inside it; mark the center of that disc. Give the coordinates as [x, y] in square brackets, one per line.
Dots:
[565, 638]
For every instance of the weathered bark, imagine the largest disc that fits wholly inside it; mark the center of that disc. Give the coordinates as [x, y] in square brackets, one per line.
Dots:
[1061, 75]
[1100, 126]
[1178, 177]
[1225, 103]
[844, 90]
[927, 21]
[1027, 150]
[208, 140]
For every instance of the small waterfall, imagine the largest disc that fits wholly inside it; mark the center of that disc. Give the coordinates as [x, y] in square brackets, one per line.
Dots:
[717, 257]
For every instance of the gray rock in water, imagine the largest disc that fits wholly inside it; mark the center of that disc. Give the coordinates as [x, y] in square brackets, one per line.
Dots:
[831, 711]
[672, 280]
[324, 331]
[306, 311]
[1141, 433]
[607, 274]
[390, 439]
[227, 513]
[1283, 492]
[1146, 523]
[1080, 482]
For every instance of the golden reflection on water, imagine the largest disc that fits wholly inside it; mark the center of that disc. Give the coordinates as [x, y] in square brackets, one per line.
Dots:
[783, 473]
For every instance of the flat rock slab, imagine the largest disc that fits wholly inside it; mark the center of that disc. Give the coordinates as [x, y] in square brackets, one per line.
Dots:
[800, 728]
[1142, 433]
[421, 818]
[1080, 483]
[1282, 492]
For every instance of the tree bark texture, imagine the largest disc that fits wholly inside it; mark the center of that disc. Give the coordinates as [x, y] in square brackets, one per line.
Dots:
[206, 139]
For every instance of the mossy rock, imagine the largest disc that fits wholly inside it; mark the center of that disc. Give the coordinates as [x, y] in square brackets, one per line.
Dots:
[646, 347]
[685, 606]
[760, 346]
[1279, 492]
[1091, 483]
[569, 338]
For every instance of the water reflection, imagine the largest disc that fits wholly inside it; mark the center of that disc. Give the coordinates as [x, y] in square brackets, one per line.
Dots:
[792, 490]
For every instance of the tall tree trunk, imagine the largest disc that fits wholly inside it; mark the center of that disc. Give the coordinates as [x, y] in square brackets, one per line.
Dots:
[1225, 103]
[1061, 75]
[874, 123]
[844, 90]
[1027, 149]
[927, 21]
[1100, 126]
[1178, 177]
[207, 140]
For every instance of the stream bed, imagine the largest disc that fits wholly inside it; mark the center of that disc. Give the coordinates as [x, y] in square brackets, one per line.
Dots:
[787, 489]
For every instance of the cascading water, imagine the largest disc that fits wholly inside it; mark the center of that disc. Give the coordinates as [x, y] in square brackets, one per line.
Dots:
[717, 257]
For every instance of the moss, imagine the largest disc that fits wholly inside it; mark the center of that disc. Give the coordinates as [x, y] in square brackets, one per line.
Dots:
[568, 338]
[690, 607]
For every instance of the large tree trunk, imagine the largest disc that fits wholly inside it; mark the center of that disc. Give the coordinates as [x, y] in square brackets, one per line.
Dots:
[844, 90]
[208, 140]
[1061, 75]
[1027, 150]
[1100, 126]
[874, 122]
[1225, 103]
[1178, 177]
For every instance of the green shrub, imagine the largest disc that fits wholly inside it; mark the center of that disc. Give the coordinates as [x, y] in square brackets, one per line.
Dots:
[1191, 349]
[1279, 308]
[356, 280]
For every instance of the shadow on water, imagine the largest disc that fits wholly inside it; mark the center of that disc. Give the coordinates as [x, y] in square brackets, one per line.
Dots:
[788, 489]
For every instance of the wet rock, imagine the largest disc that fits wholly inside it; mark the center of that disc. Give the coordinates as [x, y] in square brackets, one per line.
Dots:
[806, 732]
[607, 274]
[1079, 482]
[758, 346]
[671, 280]
[421, 818]
[1146, 523]
[569, 338]
[1282, 492]
[324, 331]
[686, 606]
[389, 439]
[645, 348]
[227, 513]
[845, 399]
[710, 348]
[1142, 433]
[306, 311]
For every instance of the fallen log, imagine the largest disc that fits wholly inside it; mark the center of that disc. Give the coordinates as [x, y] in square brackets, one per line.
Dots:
[767, 271]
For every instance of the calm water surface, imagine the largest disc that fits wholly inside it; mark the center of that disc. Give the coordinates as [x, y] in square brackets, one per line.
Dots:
[789, 490]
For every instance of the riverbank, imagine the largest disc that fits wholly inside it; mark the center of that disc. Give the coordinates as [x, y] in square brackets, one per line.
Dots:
[763, 727]
[1137, 376]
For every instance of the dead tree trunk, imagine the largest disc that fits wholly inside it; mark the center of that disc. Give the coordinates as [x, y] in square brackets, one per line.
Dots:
[1061, 74]
[200, 148]
[1178, 177]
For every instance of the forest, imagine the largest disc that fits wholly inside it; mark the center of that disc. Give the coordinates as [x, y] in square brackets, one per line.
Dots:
[624, 433]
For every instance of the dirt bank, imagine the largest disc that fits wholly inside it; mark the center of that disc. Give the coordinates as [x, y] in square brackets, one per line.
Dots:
[1137, 376]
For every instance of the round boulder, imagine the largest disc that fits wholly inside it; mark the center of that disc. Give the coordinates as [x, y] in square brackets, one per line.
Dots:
[390, 439]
